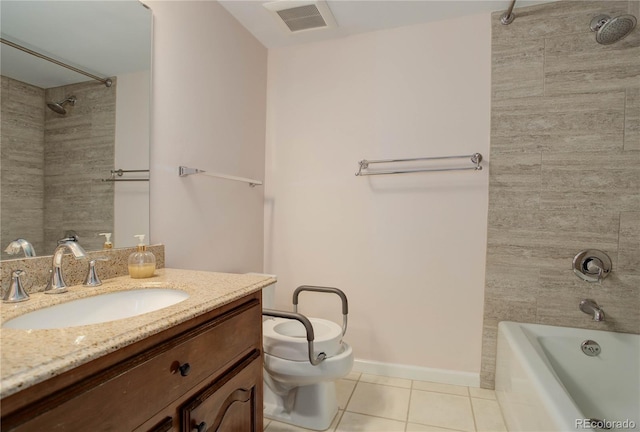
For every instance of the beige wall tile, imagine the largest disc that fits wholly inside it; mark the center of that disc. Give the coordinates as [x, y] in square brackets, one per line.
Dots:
[22, 174]
[629, 246]
[559, 123]
[578, 64]
[632, 119]
[517, 70]
[554, 19]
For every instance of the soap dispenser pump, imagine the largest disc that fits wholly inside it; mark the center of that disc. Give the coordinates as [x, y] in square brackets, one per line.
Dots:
[142, 263]
[107, 241]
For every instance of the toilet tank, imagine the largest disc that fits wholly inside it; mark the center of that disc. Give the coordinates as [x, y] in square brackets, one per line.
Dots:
[268, 293]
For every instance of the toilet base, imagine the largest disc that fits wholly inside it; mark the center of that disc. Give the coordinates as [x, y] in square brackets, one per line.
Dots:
[314, 406]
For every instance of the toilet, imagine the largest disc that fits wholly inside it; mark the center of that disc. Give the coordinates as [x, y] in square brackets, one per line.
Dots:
[296, 391]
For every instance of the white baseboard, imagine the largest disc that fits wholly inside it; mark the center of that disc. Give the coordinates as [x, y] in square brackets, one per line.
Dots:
[443, 376]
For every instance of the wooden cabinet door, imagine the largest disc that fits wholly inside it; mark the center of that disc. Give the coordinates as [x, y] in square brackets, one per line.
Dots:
[231, 404]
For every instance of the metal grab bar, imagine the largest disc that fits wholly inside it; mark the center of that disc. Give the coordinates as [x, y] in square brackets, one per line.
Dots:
[475, 158]
[342, 295]
[308, 327]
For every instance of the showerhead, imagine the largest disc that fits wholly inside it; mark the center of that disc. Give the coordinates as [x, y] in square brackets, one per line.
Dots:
[59, 106]
[610, 30]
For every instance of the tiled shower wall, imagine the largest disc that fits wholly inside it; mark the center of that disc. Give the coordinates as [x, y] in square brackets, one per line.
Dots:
[52, 164]
[22, 166]
[79, 153]
[565, 170]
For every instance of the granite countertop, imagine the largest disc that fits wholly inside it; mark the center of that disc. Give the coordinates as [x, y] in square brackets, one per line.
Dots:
[32, 356]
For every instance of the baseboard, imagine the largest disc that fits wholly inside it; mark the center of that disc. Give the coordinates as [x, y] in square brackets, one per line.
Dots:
[443, 376]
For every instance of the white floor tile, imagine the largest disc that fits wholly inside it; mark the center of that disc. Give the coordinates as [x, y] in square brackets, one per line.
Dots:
[384, 380]
[380, 400]
[344, 388]
[440, 388]
[414, 427]
[488, 415]
[440, 409]
[276, 426]
[353, 376]
[265, 423]
[352, 422]
[476, 392]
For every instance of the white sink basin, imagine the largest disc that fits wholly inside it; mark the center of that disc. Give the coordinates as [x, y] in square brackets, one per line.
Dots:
[98, 309]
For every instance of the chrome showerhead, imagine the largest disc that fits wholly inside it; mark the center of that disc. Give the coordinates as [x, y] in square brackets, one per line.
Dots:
[610, 30]
[59, 106]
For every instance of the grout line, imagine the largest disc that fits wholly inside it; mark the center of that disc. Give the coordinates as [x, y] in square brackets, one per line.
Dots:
[624, 116]
[504, 421]
[374, 416]
[406, 418]
[340, 419]
[544, 65]
[473, 415]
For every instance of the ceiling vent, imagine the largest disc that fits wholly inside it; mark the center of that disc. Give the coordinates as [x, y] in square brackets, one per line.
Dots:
[296, 16]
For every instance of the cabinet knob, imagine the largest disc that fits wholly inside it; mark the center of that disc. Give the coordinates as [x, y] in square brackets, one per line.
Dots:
[202, 427]
[184, 370]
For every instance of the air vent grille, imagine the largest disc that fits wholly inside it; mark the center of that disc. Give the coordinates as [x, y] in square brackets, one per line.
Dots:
[295, 16]
[302, 18]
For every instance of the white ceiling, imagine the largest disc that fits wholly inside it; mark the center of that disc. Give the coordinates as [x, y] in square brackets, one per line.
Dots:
[108, 38]
[357, 16]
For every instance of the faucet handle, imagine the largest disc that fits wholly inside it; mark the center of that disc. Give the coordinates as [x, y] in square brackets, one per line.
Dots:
[16, 292]
[92, 278]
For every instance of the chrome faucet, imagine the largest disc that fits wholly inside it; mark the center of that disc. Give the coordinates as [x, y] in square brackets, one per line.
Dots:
[590, 307]
[16, 292]
[57, 284]
[18, 245]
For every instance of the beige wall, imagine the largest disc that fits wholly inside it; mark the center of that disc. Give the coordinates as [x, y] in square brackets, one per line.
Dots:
[408, 250]
[209, 102]
[565, 170]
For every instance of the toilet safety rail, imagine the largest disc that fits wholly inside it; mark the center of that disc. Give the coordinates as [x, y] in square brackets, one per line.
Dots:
[343, 297]
[308, 327]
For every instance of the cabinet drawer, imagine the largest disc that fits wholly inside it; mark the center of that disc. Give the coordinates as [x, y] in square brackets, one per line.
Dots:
[127, 394]
[231, 404]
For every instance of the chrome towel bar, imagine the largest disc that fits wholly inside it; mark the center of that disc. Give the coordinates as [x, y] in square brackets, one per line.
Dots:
[184, 171]
[475, 158]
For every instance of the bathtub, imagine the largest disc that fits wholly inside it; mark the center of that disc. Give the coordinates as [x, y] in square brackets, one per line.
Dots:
[544, 381]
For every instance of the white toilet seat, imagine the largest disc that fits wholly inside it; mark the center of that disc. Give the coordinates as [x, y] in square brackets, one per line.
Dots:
[302, 373]
[286, 339]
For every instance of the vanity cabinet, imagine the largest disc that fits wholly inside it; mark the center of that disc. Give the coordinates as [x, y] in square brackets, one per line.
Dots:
[201, 375]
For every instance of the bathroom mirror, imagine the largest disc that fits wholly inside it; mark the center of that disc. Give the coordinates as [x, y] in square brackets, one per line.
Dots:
[63, 132]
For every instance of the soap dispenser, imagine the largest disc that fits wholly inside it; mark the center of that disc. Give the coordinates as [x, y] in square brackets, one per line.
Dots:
[142, 263]
[107, 241]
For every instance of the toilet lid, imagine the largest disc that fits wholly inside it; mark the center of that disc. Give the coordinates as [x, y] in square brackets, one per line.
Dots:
[286, 338]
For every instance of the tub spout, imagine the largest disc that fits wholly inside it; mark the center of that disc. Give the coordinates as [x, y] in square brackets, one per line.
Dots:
[590, 307]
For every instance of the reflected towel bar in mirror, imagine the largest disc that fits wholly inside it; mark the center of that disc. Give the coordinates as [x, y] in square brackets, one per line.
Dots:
[121, 172]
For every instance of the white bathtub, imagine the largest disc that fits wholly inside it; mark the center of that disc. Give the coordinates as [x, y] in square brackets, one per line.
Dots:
[544, 382]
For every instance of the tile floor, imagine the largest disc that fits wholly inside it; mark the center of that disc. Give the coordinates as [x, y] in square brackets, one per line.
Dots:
[372, 403]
